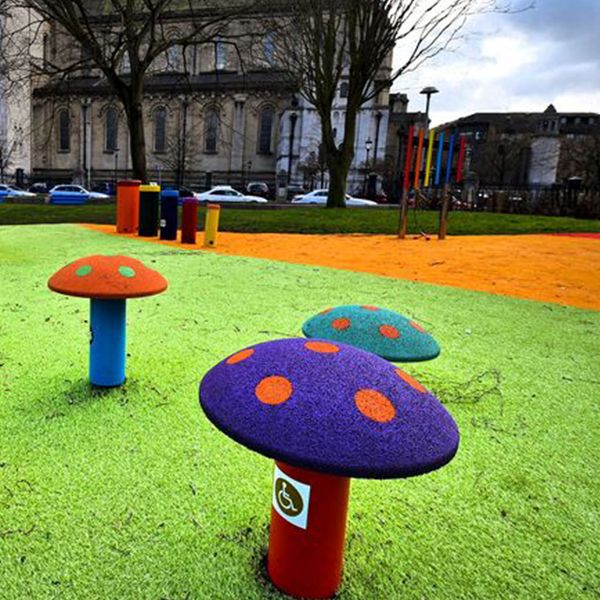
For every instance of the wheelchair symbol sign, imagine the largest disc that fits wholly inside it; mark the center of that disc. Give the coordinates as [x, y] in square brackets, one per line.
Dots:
[291, 499]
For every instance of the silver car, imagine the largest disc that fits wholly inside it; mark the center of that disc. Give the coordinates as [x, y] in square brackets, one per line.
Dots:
[319, 197]
[225, 193]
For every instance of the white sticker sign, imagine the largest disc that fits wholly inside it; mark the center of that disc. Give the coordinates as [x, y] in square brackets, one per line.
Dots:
[291, 498]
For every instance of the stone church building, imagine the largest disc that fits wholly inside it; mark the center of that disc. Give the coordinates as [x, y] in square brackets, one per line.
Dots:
[213, 115]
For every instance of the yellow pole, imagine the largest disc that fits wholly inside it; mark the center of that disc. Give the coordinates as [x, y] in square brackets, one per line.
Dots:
[211, 225]
[429, 158]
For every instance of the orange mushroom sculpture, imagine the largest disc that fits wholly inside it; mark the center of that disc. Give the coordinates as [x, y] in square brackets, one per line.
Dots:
[108, 281]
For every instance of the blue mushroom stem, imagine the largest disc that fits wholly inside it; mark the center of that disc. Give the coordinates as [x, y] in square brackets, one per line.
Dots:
[107, 342]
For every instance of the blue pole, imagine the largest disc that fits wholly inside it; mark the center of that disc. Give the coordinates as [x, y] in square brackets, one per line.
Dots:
[438, 167]
[450, 159]
[107, 342]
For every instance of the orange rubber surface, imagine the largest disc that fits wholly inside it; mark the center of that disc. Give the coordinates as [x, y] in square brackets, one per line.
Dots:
[559, 269]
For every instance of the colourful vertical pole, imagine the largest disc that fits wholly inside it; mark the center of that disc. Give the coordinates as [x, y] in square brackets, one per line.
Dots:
[440, 154]
[408, 162]
[429, 157]
[419, 159]
[450, 159]
[461, 159]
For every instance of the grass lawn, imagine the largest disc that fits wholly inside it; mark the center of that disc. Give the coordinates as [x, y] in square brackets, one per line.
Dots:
[131, 493]
[316, 220]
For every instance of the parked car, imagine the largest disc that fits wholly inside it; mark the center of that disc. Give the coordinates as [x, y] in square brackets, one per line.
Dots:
[105, 187]
[259, 188]
[12, 191]
[74, 194]
[225, 193]
[41, 187]
[319, 197]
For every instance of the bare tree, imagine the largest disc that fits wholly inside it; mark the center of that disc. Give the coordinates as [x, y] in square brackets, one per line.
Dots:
[110, 34]
[502, 159]
[322, 42]
[580, 157]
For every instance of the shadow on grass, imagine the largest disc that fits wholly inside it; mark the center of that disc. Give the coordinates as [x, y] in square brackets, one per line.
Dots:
[81, 393]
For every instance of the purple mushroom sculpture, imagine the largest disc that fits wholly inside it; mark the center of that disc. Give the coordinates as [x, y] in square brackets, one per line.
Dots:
[326, 412]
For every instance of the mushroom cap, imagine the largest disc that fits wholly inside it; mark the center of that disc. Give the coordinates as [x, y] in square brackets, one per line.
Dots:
[379, 330]
[329, 407]
[107, 278]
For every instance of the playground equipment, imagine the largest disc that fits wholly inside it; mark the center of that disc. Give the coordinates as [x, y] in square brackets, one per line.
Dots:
[325, 412]
[433, 177]
[128, 205]
[211, 225]
[189, 220]
[169, 200]
[149, 210]
[108, 281]
[379, 330]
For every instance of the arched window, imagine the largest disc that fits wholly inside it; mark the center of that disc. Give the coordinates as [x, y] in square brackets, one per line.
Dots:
[160, 129]
[111, 130]
[211, 131]
[64, 131]
[269, 47]
[344, 89]
[265, 132]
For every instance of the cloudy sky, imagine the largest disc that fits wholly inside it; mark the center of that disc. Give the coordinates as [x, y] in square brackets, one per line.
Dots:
[517, 62]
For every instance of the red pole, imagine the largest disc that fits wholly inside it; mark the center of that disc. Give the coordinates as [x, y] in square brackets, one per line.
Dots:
[461, 159]
[408, 162]
[306, 559]
[189, 221]
[419, 159]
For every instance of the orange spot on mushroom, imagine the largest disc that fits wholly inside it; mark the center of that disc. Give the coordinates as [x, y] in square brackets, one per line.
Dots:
[367, 307]
[322, 347]
[341, 324]
[389, 331]
[417, 327]
[240, 356]
[374, 405]
[327, 310]
[411, 381]
[274, 390]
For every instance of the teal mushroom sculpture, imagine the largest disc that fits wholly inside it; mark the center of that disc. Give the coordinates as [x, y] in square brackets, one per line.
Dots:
[381, 331]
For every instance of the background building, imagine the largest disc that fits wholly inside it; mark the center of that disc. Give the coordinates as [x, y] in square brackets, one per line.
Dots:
[214, 113]
[17, 43]
[527, 149]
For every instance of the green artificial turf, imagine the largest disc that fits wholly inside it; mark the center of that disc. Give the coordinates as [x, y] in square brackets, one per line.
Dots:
[317, 220]
[132, 494]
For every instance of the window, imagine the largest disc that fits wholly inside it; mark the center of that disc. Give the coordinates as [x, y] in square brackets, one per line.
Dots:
[125, 63]
[269, 47]
[211, 131]
[220, 55]
[64, 131]
[172, 58]
[265, 131]
[160, 127]
[111, 130]
[344, 87]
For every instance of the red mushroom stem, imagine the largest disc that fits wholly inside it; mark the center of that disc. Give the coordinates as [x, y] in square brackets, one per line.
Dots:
[307, 562]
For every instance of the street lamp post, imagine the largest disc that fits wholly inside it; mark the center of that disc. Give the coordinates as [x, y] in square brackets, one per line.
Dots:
[116, 167]
[293, 120]
[368, 146]
[428, 91]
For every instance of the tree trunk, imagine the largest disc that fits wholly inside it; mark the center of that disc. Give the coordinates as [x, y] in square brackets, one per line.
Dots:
[339, 166]
[137, 138]
[339, 160]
